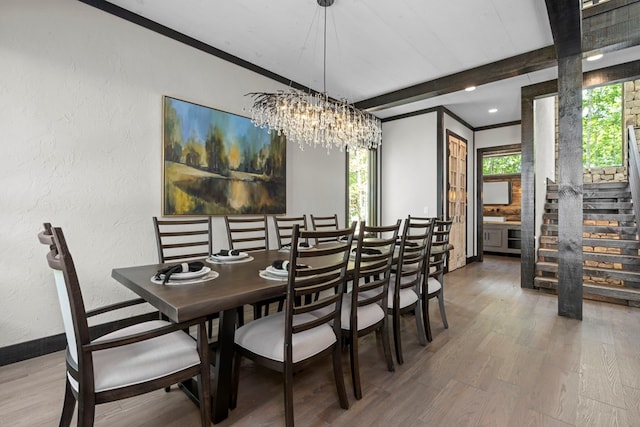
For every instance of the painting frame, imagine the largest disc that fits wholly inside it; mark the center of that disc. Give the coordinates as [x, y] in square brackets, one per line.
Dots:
[217, 163]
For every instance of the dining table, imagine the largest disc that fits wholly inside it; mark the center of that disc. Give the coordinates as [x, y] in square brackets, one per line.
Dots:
[237, 283]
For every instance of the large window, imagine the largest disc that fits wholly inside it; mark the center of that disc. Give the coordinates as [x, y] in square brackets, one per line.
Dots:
[361, 191]
[602, 126]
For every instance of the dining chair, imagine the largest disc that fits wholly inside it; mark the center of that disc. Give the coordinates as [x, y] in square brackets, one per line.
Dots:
[251, 233]
[284, 228]
[433, 286]
[364, 307]
[406, 279]
[293, 339]
[247, 233]
[128, 362]
[320, 223]
[184, 240]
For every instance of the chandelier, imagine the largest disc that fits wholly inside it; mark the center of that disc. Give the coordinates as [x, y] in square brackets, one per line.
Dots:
[314, 118]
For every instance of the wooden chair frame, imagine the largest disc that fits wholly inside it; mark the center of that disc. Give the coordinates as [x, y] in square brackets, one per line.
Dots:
[370, 286]
[409, 270]
[247, 233]
[197, 231]
[284, 228]
[322, 223]
[60, 259]
[326, 277]
[439, 253]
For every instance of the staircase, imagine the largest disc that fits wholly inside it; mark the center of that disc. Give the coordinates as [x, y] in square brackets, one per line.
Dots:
[611, 264]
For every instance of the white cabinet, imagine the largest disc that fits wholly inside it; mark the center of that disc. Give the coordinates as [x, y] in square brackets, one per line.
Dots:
[501, 237]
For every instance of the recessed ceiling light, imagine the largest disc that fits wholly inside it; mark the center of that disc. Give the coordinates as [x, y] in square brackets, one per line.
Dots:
[594, 57]
[470, 88]
[493, 110]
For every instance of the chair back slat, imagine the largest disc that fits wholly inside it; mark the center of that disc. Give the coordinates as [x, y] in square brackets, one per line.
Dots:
[181, 240]
[284, 228]
[372, 271]
[440, 247]
[324, 223]
[414, 250]
[247, 233]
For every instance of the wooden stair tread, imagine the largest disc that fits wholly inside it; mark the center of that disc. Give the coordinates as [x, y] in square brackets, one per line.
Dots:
[620, 217]
[596, 229]
[595, 185]
[605, 243]
[595, 256]
[601, 272]
[593, 289]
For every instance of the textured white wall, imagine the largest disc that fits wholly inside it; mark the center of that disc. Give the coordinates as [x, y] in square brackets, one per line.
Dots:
[505, 135]
[80, 119]
[408, 167]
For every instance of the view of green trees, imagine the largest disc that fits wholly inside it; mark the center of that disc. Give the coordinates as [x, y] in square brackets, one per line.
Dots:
[602, 126]
[358, 185]
[501, 165]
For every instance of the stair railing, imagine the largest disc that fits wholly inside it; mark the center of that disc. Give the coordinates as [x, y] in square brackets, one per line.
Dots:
[634, 171]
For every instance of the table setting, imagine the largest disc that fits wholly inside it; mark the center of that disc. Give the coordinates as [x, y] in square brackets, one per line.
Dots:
[225, 256]
[185, 273]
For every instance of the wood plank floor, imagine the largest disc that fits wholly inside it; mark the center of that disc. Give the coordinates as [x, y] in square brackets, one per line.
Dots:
[507, 359]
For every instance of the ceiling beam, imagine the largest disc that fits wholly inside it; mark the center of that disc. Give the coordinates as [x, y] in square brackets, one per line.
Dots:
[566, 26]
[510, 67]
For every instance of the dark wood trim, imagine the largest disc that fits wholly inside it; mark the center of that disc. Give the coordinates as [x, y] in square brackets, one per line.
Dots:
[41, 346]
[479, 204]
[439, 164]
[134, 18]
[480, 154]
[565, 18]
[613, 74]
[458, 118]
[611, 26]
[527, 173]
[412, 114]
[605, 7]
[427, 111]
[498, 126]
[510, 67]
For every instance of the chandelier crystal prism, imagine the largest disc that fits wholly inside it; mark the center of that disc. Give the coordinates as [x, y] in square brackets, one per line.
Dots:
[315, 119]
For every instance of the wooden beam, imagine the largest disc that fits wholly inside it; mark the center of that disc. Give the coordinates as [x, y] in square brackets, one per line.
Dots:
[566, 26]
[616, 27]
[510, 67]
[528, 183]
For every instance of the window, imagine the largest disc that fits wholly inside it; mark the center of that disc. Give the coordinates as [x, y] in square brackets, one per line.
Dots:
[602, 126]
[504, 164]
[361, 191]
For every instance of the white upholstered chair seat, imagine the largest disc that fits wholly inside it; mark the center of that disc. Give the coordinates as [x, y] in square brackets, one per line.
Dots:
[407, 295]
[265, 337]
[433, 285]
[141, 361]
[367, 315]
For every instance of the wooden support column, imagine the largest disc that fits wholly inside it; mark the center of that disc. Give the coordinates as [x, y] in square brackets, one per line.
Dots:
[565, 18]
[570, 179]
[528, 204]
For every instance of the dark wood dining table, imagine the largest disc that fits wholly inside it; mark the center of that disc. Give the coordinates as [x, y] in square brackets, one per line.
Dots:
[237, 284]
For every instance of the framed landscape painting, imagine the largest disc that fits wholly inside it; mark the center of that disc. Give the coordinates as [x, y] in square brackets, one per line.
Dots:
[217, 163]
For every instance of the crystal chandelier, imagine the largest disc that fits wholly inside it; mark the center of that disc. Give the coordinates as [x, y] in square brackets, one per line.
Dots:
[314, 118]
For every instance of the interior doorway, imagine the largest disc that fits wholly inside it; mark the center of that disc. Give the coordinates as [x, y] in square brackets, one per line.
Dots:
[457, 198]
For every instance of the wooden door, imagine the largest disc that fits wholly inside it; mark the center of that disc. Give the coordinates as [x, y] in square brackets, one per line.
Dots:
[457, 199]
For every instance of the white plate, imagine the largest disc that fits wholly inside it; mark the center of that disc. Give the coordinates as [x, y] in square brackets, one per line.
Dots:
[229, 257]
[266, 275]
[277, 272]
[300, 247]
[209, 276]
[190, 274]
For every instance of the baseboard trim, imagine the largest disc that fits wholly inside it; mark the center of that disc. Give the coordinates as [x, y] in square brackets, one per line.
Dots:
[41, 346]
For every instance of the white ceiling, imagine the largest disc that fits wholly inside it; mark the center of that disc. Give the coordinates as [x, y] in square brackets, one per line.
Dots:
[374, 46]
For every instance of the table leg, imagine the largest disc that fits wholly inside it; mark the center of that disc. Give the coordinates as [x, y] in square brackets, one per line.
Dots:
[224, 361]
